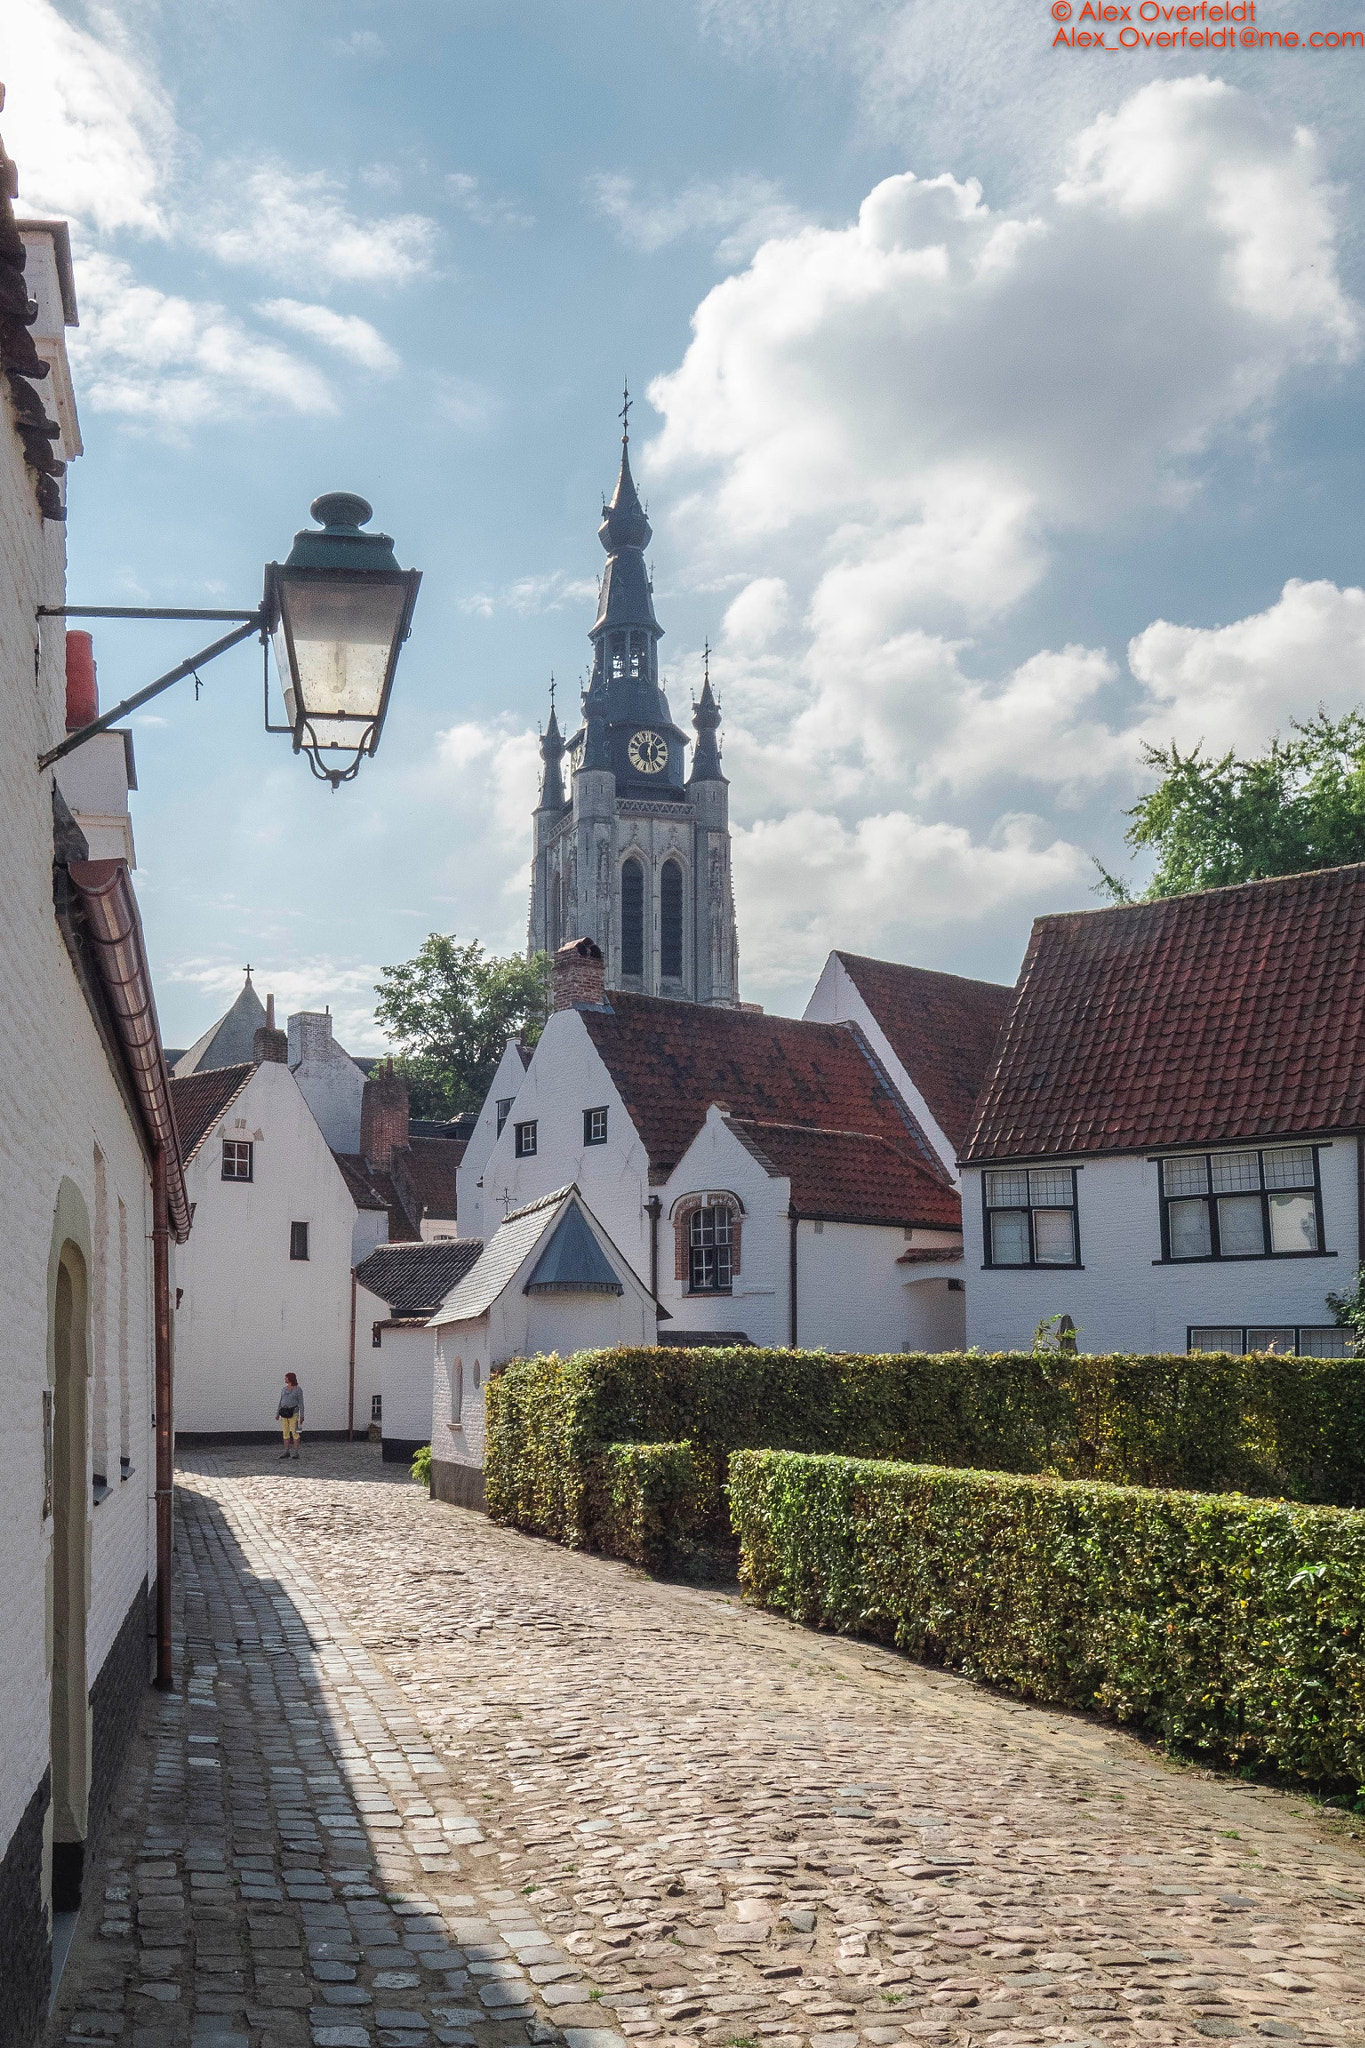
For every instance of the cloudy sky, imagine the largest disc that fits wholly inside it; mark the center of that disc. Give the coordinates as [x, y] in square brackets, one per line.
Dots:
[999, 407]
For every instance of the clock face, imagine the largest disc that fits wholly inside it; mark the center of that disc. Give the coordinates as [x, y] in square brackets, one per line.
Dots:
[648, 752]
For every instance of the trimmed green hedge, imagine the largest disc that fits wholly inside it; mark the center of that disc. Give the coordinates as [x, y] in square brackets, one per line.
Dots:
[646, 1495]
[1234, 1628]
[1260, 1425]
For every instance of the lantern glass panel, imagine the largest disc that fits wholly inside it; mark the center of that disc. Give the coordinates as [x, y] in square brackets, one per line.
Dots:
[343, 630]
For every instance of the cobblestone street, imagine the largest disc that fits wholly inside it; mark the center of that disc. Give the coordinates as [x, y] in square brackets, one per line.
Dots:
[426, 1778]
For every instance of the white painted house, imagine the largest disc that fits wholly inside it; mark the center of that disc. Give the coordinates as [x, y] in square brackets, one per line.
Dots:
[761, 1174]
[92, 1191]
[264, 1287]
[1169, 1148]
[399, 1288]
[549, 1279]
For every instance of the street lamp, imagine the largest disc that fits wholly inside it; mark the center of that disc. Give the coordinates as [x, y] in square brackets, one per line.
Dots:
[337, 610]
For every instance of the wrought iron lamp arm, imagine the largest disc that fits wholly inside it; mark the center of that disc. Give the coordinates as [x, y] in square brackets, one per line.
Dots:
[252, 622]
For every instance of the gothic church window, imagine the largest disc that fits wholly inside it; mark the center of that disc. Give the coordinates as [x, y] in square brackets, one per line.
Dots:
[671, 921]
[633, 918]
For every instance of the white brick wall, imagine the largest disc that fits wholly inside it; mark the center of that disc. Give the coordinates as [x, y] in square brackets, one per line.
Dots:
[58, 1102]
[1120, 1300]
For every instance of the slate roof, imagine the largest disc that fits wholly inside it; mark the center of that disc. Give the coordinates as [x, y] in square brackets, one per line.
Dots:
[230, 1041]
[202, 1100]
[573, 1262]
[1213, 1018]
[512, 1242]
[943, 1028]
[414, 1279]
[430, 1164]
[849, 1177]
[670, 1061]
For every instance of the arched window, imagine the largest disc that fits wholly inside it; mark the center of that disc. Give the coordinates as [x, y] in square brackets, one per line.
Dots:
[671, 921]
[633, 918]
[706, 1230]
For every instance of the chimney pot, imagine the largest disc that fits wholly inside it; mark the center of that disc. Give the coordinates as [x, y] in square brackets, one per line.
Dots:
[579, 975]
[383, 1117]
[82, 690]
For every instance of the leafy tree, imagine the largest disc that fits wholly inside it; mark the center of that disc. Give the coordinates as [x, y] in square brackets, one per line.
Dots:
[451, 1010]
[1299, 805]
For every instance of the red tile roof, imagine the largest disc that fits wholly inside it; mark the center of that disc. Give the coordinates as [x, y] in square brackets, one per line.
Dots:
[1204, 1019]
[371, 1189]
[942, 1028]
[671, 1061]
[851, 1177]
[430, 1165]
[201, 1100]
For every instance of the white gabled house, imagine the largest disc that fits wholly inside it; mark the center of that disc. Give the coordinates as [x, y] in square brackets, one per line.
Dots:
[548, 1279]
[264, 1286]
[778, 1151]
[399, 1288]
[1169, 1149]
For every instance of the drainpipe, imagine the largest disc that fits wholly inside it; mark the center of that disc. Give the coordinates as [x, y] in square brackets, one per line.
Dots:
[350, 1376]
[1360, 1198]
[164, 1424]
[654, 1209]
[793, 1219]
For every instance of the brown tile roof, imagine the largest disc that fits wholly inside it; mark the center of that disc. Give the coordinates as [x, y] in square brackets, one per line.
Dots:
[431, 1164]
[670, 1061]
[1205, 1019]
[371, 1189]
[942, 1028]
[850, 1177]
[931, 1255]
[201, 1100]
[414, 1279]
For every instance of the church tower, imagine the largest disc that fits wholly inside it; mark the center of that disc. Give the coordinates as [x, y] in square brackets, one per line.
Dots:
[636, 854]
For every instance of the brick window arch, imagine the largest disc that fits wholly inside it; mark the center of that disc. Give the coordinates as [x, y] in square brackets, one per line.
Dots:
[707, 1232]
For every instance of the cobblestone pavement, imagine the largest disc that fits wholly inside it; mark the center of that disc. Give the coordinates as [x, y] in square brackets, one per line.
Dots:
[429, 1778]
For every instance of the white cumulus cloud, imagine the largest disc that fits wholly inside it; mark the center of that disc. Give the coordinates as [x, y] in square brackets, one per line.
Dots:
[737, 215]
[345, 333]
[297, 225]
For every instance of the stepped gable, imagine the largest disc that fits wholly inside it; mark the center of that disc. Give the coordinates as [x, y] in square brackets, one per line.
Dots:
[414, 1279]
[202, 1100]
[943, 1028]
[851, 1177]
[670, 1061]
[1220, 1017]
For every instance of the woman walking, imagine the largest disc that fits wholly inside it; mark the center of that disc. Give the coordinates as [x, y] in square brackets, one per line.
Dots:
[290, 1415]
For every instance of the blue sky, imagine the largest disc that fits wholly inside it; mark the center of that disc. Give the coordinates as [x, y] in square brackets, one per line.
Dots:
[973, 485]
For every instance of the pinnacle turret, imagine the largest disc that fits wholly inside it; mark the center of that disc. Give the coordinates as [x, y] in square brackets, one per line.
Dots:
[552, 754]
[706, 719]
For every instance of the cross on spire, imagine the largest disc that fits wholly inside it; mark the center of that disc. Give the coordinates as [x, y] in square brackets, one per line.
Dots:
[624, 414]
[248, 970]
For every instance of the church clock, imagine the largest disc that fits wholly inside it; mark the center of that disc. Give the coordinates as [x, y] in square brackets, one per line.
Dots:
[648, 753]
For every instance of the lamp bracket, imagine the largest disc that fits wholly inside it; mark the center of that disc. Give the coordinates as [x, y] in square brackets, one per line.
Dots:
[252, 622]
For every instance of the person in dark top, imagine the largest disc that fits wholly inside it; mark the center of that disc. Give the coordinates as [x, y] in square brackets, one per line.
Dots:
[290, 1415]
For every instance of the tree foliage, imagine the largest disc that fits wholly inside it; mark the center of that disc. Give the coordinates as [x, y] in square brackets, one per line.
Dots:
[450, 1010]
[1211, 823]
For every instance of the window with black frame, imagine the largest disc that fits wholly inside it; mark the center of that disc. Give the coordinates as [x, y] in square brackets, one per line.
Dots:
[1031, 1217]
[1244, 1204]
[710, 1250]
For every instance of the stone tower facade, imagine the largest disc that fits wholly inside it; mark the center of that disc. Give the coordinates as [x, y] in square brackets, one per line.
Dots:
[636, 853]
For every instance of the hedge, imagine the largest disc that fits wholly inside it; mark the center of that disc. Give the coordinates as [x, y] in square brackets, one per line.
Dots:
[1262, 1425]
[1233, 1628]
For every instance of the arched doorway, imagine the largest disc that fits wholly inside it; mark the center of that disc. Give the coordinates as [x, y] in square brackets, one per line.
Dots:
[70, 1591]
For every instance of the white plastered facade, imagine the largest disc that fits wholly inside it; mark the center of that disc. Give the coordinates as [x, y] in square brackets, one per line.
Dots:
[248, 1312]
[1122, 1297]
[72, 1166]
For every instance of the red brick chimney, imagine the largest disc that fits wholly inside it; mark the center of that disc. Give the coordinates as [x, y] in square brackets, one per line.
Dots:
[579, 975]
[82, 691]
[383, 1117]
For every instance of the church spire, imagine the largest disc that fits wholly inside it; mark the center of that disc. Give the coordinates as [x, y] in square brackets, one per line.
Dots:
[624, 521]
[552, 753]
[706, 719]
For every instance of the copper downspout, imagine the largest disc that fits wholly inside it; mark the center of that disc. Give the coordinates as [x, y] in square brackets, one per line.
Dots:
[350, 1377]
[165, 1420]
